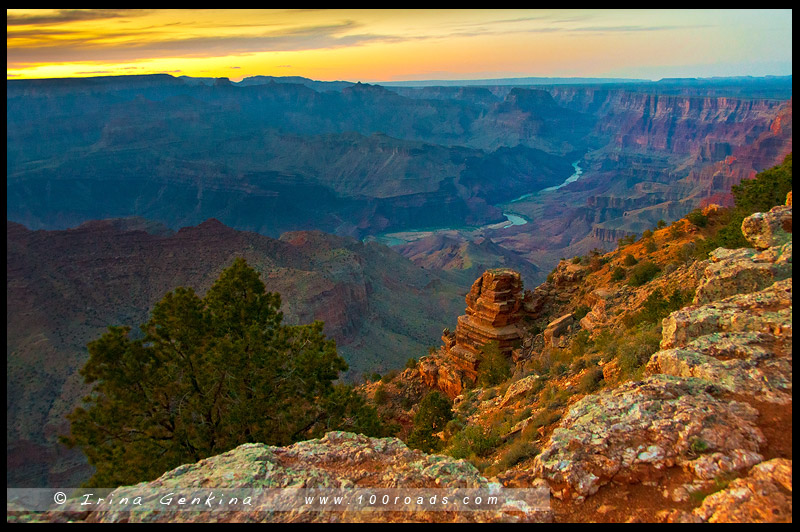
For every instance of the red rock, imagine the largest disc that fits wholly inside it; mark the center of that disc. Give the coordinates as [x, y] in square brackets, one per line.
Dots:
[494, 309]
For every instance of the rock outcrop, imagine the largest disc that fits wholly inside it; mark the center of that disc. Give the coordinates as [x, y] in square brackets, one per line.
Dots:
[764, 495]
[494, 309]
[724, 360]
[494, 305]
[336, 463]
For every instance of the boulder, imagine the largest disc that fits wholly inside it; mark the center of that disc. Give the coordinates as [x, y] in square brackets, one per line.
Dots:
[764, 495]
[768, 229]
[632, 433]
[556, 329]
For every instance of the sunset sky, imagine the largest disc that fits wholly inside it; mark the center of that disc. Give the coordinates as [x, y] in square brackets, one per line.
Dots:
[395, 45]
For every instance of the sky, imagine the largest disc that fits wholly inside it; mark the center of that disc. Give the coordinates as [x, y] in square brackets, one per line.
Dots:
[398, 45]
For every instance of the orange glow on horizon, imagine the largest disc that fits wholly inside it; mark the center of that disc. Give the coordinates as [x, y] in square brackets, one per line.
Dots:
[389, 45]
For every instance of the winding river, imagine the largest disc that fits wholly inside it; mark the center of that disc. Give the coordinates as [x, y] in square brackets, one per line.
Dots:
[571, 179]
[403, 237]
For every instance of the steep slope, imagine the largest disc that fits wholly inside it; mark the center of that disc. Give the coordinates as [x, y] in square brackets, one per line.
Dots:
[626, 416]
[65, 287]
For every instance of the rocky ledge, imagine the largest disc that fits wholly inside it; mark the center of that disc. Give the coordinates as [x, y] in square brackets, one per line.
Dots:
[702, 408]
[339, 460]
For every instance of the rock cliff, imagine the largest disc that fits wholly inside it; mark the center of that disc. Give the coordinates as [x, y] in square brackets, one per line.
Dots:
[494, 309]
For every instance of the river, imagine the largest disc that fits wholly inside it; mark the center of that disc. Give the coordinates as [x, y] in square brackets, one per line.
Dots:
[403, 237]
[571, 179]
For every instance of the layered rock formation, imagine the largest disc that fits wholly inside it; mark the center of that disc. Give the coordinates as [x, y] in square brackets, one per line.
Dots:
[494, 309]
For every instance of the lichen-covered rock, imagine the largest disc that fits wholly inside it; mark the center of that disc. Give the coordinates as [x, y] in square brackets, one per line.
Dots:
[520, 388]
[339, 460]
[711, 466]
[755, 363]
[764, 495]
[767, 311]
[768, 229]
[741, 271]
[633, 432]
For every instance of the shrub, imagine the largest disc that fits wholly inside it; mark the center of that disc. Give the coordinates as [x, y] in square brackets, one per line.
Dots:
[629, 260]
[618, 273]
[697, 218]
[626, 240]
[493, 367]
[676, 229]
[389, 377]
[604, 340]
[544, 418]
[650, 246]
[687, 251]
[576, 260]
[698, 446]
[453, 426]
[435, 410]
[591, 380]
[635, 349]
[642, 273]
[517, 452]
[580, 312]
[596, 262]
[473, 441]
[381, 395]
[661, 224]
[579, 344]
[411, 363]
[647, 234]
[657, 307]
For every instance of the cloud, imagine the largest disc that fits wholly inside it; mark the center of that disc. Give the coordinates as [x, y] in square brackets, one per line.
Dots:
[34, 46]
[65, 16]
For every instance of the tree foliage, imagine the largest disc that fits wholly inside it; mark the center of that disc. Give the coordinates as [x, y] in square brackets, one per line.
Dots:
[643, 273]
[760, 194]
[209, 374]
[493, 367]
[435, 410]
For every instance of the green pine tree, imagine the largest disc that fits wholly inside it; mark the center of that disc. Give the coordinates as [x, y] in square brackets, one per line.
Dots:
[435, 410]
[209, 374]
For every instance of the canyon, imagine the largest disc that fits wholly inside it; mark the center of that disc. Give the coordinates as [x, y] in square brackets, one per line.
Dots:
[120, 189]
[702, 433]
[272, 155]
